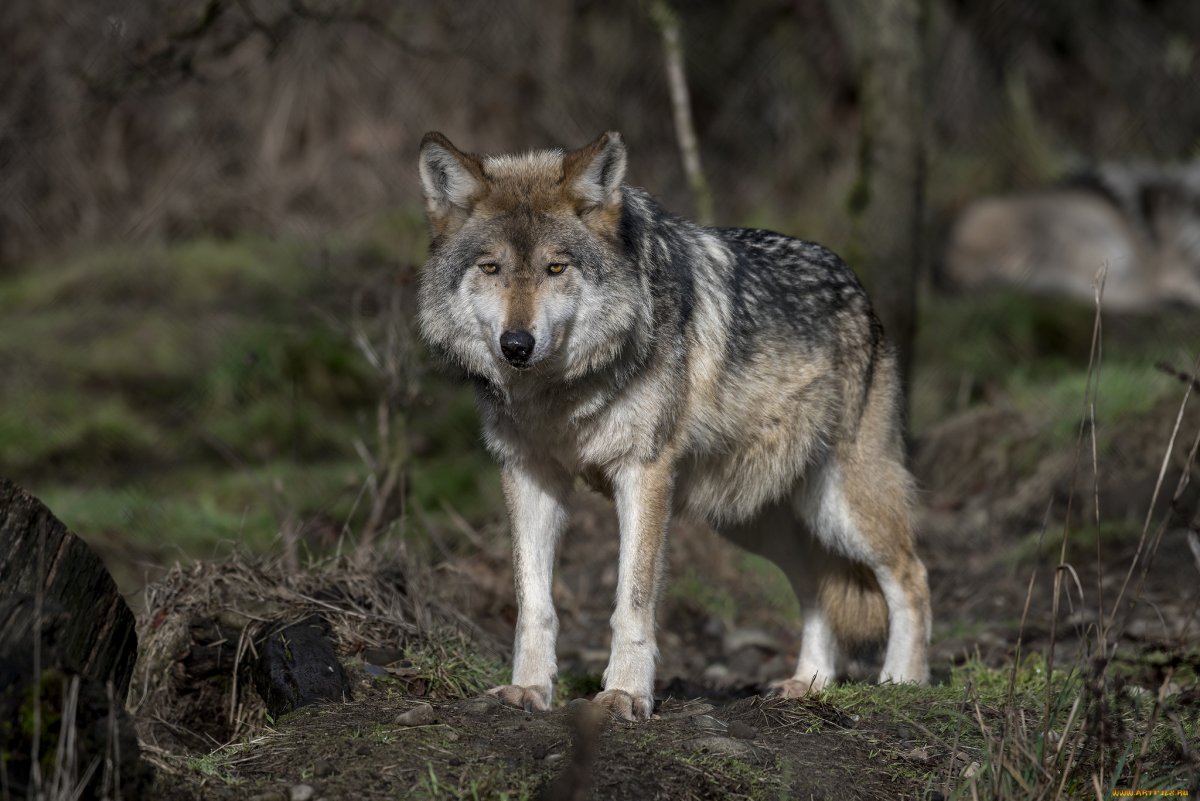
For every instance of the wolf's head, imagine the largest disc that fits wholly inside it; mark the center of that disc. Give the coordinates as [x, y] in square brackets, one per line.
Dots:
[527, 266]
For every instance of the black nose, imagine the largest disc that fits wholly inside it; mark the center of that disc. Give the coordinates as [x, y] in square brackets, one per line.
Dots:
[516, 346]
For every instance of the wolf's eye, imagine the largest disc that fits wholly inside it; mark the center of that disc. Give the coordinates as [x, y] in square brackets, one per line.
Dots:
[491, 268]
[556, 269]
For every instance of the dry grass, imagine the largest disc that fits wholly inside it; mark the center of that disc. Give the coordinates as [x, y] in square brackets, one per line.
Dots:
[1094, 733]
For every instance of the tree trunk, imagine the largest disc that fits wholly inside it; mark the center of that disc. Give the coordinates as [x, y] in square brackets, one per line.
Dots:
[888, 200]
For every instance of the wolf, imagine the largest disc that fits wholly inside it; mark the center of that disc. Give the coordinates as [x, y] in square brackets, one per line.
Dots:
[734, 376]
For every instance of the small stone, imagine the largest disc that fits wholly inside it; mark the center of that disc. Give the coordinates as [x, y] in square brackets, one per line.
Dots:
[450, 736]
[918, 755]
[904, 732]
[419, 715]
[479, 706]
[742, 731]
[553, 759]
[382, 656]
[302, 792]
[454, 761]
[971, 771]
[323, 768]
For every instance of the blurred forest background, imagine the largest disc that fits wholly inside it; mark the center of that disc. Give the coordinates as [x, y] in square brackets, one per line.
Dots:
[210, 225]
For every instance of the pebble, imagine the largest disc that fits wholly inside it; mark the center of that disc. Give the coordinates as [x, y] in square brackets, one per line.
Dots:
[553, 759]
[918, 755]
[742, 731]
[419, 715]
[479, 706]
[971, 771]
[450, 736]
[716, 674]
[302, 792]
[323, 768]
[382, 656]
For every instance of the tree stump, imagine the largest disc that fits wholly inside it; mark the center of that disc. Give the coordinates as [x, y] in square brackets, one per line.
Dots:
[67, 649]
[38, 554]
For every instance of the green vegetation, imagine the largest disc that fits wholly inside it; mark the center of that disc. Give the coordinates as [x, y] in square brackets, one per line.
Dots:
[170, 399]
[1032, 352]
[452, 665]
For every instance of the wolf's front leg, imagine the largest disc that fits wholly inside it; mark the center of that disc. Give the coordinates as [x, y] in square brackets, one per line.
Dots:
[643, 496]
[537, 512]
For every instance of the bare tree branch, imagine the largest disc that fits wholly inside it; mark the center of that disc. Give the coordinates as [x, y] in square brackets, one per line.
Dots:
[681, 106]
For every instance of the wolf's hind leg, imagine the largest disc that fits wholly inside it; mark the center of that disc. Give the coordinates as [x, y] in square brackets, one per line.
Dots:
[538, 514]
[859, 509]
[777, 535]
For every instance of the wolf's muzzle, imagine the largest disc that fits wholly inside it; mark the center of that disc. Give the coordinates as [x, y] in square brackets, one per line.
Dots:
[517, 347]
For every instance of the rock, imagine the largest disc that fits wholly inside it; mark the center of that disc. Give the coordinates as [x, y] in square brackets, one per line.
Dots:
[741, 731]
[382, 656]
[918, 755]
[323, 768]
[481, 705]
[554, 759]
[419, 715]
[301, 792]
[716, 675]
[297, 667]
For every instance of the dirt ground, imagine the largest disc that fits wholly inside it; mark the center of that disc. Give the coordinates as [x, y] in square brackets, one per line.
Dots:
[727, 626]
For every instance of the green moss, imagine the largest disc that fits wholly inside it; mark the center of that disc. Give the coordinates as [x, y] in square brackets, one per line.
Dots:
[453, 666]
[714, 600]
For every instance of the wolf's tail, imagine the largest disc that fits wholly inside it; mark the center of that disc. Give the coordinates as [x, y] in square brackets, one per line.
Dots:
[852, 602]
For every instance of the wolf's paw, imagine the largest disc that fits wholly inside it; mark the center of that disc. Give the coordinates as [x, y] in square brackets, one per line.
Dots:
[531, 699]
[796, 688]
[624, 705]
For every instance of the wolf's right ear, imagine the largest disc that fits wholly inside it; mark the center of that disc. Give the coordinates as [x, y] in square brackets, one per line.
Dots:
[452, 181]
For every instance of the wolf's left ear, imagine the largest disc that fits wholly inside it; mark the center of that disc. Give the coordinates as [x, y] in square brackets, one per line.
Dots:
[452, 180]
[593, 173]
